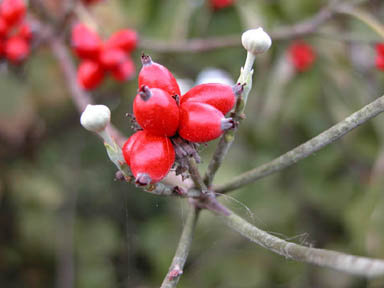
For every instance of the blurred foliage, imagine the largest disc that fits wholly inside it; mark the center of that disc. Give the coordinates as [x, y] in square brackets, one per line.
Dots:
[60, 208]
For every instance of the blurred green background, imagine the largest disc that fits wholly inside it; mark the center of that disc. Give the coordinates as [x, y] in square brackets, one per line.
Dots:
[65, 222]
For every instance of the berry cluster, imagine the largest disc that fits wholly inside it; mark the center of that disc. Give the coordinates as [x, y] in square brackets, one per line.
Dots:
[380, 56]
[15, 34]
[301, 55]
[172, 123]
[99, 58]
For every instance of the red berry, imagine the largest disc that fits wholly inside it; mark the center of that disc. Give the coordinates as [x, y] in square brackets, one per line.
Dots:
[127, 147]
[302, 56]
[201, 122]
[151, 157]
[156, 111]
[4, 28]
[86, 42]
[380, 48]
[124, 71]
[2, 47]
[90, 74]
[12, 11]
[16, 49]
[220, 4]
[220, 96]
[111, 58]
[25, 31]
[125, 39]
[380, 62]
[155, 75]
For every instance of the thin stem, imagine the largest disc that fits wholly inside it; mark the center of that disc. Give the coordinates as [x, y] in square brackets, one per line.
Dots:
[364, 17]
[228, 137]
[362, 266]
[304, 150]
[182, 251]
[195, 175]
[299, 29]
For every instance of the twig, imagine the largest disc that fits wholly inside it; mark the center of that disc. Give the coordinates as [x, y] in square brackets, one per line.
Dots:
[362, 266]
[182, 251]
[304, 150]
[195, 175]
[302, 28]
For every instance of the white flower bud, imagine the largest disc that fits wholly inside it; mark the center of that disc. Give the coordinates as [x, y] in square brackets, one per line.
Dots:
[256, 41]
[95, 118]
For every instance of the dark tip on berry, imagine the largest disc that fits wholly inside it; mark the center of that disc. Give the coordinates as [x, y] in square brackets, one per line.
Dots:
[177, 99]
[142, 179]
[238, 89]
[145, 93]
[146, 60]
[227, 123]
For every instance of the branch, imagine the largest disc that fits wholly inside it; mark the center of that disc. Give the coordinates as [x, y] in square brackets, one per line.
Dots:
[362, 266]
[182, 251]
[304, 150]
[300, 29]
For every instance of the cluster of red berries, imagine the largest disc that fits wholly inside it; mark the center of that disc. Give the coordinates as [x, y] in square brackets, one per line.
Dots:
[166, 119]
[301, 55]
[220, 4]
[15, 34]
[380, 56]
[99, 58]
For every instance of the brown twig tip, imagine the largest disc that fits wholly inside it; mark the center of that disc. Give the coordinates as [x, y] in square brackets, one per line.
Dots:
[142, 179]
[145, 93]
[146, 59]
[175, 272]
[238, 88]
[228, 123]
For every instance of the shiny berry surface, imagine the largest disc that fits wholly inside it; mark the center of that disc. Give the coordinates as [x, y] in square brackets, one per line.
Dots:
[127, 147]
[220, 96]
[155, 75]
[151, 155]
[156, 111]
[90, 74]
[86, 42]
[16, 49]
[4, 28]
[200, 122]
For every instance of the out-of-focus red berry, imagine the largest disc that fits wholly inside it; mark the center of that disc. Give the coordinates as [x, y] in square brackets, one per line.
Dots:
[4, 27]
[86, 42]
[25, 31]
[111, 58]
[380, 62]
[302, 56]
[124, 71]
[12, 11]
[220, 4]
[90, 74]
[125, 39]
[380, 48]
[16, 49]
